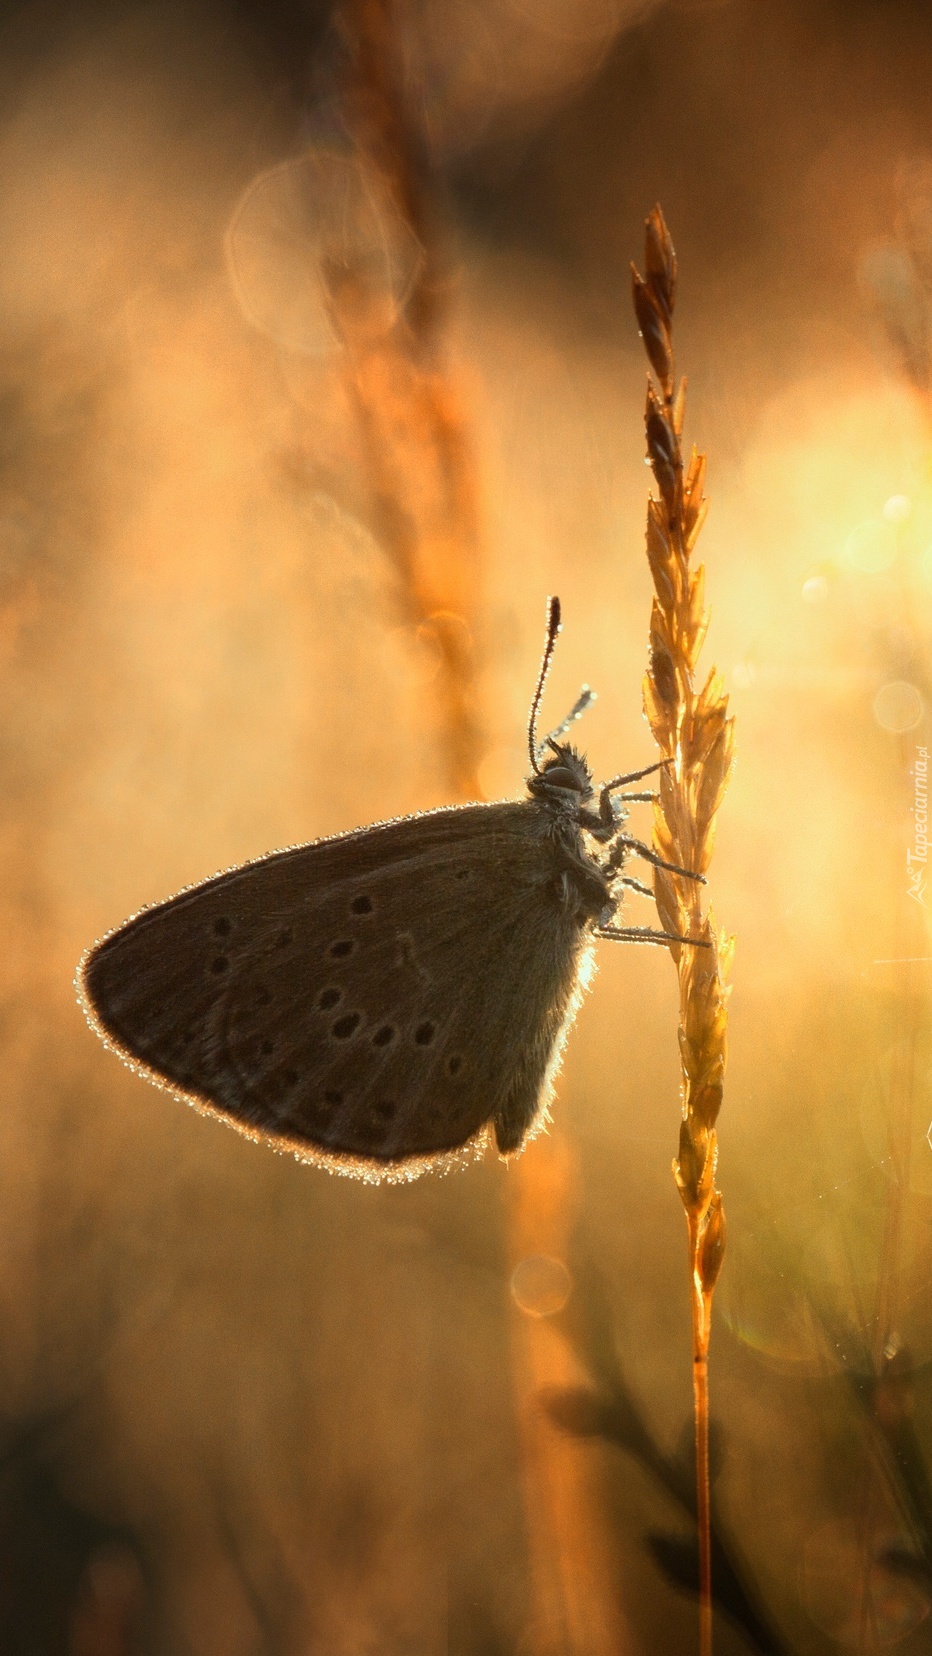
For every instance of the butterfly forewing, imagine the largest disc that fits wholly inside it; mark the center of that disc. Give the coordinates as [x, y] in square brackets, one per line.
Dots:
[357, 995]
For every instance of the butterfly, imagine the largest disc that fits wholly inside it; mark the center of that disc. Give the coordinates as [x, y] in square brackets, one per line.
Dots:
[385, 1000]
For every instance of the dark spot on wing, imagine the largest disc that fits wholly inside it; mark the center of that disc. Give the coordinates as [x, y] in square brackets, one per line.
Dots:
[329, 999]
[346, 1026]
[290, 1077]
[266, 1047]
[344, 947]
[384, 1036]
[263, 996]
[223, 926]
[464, 874]
[220, 964]
[285, 936]
[332, 1099]
[424, 1033]
[361, 905]
[385, 1109]
[455, 1064]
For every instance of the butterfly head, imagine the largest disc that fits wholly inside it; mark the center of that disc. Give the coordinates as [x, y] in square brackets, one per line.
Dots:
[563, 779]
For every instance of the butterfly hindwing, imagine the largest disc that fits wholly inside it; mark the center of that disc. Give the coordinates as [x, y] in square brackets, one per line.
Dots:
[376, 997]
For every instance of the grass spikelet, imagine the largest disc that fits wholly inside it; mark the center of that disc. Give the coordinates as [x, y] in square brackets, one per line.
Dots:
[694, 732]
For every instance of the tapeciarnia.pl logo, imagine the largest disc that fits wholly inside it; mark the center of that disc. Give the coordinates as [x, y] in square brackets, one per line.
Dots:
[918, 857]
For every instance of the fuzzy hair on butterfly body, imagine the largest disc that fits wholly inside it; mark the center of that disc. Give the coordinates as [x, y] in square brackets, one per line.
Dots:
[390, 999]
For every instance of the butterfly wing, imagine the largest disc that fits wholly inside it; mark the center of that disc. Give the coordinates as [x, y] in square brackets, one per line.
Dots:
[371, 1000]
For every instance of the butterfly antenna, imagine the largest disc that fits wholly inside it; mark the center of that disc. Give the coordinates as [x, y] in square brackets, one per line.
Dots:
[553, 627]
[585, 699]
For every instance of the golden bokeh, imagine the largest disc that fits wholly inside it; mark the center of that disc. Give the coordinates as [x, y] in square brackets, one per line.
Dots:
[251, 1407]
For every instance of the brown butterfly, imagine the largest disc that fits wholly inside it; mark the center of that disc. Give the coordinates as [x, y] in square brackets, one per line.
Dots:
[381, 1001]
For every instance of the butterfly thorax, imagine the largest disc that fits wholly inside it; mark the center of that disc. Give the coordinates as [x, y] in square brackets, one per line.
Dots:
[564, 786]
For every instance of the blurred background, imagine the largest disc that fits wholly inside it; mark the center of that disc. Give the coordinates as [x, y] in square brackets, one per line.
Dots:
[318, 373]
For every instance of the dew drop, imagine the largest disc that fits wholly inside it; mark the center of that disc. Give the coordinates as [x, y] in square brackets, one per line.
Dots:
[898, 706]
[541, 1285]
[897, 509]
[815, 589]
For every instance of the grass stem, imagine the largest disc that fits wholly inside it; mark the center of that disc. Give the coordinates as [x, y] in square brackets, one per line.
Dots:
[696, 736]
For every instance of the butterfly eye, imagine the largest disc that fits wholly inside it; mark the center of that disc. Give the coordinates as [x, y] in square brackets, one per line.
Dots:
[560, 777]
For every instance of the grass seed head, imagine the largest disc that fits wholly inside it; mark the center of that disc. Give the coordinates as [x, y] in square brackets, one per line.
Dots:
[693, 728]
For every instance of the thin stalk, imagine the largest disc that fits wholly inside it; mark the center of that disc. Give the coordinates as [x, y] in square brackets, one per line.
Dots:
[696, 736]
[701, 1315]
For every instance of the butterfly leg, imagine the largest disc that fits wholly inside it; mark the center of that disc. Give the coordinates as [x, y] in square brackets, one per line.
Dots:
[635, 885]
[626, 842]
[604, 827]
[631, 776]
[603, 824]
[606, 814]
[646, 934]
